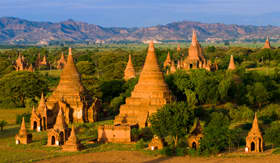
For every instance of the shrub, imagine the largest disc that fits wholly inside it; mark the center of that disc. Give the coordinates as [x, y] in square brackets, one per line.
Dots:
[26, 117]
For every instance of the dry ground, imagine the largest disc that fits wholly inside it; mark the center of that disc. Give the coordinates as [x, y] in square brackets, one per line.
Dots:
[135, 157]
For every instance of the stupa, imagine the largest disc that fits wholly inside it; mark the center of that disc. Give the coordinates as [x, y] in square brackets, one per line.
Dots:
[70, 96]
[61, 62]
[60, 132]
[150, 93]
[23, 137]
[195, 136]
[195, 59]
[72, 144]
[254, 140]
[167, 62]
[39, 117]
[129, 71]
[267, 44]
[231, 65]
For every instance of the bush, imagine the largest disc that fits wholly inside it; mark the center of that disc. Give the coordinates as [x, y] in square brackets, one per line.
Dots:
[141, 144]
[26, 118]
[44, 141]
[146, 134]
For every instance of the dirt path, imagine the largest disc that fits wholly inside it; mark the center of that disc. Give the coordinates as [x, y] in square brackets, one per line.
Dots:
[135, 157]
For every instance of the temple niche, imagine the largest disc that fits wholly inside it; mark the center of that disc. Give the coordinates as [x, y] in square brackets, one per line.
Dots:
[195, 136]
[129, 71]
[267, 44]
[70, 96]
[195, 58]
[61, 62]
[254, 140]
[150, 93]
[23, 137]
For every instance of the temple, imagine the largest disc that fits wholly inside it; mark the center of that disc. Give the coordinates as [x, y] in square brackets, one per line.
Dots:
[267, 44]
[61, 62]
[129, 71]
[70, 96]
[60, 132]
[150, 93]
[20, 64]
[172, 67]
[23, 137]
[195, 58]
[254, 140]
[231, 65]
[167, 62]
[195, 136]
[40, 63]
[38, 119]
[72, 144]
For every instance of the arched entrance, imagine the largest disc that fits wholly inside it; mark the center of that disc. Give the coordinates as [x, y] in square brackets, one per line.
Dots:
[191, 66]
[253, 146]
[61, 138]
[44, 123]
[53, 140]
[34, 125]
[193, 145]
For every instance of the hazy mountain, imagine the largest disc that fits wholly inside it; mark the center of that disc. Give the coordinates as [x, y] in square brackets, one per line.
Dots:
[15, 30]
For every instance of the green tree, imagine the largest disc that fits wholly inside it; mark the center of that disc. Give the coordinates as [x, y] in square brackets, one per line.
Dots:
[258, 94]
[272, 134]
[173, 120]
[16, 87]
[85, 67]
[191, 97]
[3, 123]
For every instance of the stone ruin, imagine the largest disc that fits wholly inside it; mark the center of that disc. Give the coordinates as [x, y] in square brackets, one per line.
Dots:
[129, 71]
[231, 65]
[61, 62]
[23, 137]
[254, 140]
[195, 136]
[72, 144]
[60, 132]
[267, 44]
[195, 58]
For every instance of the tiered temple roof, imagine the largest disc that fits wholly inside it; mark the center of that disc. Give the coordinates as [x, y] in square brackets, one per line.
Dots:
[129, 71]
[150, 93]
[254, 140]
[231, 65]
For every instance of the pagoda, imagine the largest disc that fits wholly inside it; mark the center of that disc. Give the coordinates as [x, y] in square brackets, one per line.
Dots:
[129, 71]
[231, 65]
[39, 117]
[254, 140]
[72, 144]
[267, 44]
[20, 65]
[23, 137]
[70, 95]
[61, 62]
[150, 93]
[167, 62]
[195, 59]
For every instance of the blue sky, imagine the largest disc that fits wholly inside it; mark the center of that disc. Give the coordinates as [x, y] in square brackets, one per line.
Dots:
[138, 13]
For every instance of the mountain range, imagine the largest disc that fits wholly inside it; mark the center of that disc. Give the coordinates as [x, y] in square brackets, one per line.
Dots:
[19, 31]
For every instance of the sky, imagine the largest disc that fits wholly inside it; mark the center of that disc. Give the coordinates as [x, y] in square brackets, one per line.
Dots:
[142, 13]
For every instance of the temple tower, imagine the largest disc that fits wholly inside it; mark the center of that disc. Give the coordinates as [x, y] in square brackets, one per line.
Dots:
[129, 71]
[61, 62]
[167, 62]
[72, 144]
[254, 140]
[23, 137]
[39, 117]
[195, 58]
[231, 65]
[150, 93]
[195, 136]
[267, 44]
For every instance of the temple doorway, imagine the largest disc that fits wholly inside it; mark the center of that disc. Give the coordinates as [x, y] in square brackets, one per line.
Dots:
[252, 146]
[193, 145]
[53, 140]
[44, 123]
[61, 138]
[34, 125]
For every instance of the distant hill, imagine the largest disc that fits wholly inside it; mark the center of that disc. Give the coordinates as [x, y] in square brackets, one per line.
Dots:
[20, 31]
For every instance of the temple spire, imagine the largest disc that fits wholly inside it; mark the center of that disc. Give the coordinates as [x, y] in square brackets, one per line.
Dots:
[167, 61]
[73, 137]
[60, 123]
[22, 130]
[255, 125]
[129, 71]
[231, 65]
[194, 38]
[267, 43]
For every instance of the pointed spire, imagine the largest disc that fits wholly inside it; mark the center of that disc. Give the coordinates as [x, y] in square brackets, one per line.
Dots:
[42, 104]
[267, 43]
[70, 51]
[255, 125]
[167, 61]
[62, 56]
[22, 130]
[60, 123]
[231, 65]
[172, 67]
[129, 71]
[178, 48]
[73, 138]
[194, 38]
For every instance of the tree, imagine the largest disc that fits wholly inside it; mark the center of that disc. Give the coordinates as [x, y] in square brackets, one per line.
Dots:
[258, 94]
[272, 134]
[85, 67]
[173, 120]
[16, 87]
[216, 135]
[191, 97]
[3, 123]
